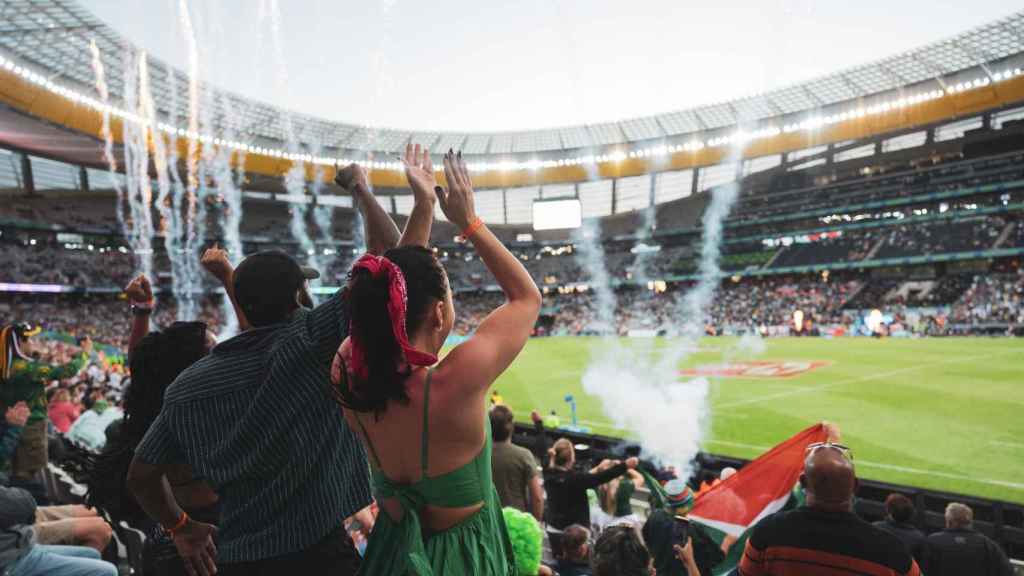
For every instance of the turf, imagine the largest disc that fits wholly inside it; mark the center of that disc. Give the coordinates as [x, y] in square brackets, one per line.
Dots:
[944, 414]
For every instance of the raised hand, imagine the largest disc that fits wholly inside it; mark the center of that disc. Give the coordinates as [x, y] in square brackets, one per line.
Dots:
[419, 171]
[195, 546]
[17, 415]
[352, 178]
[139, 290]
[215, 261]
[457, 201]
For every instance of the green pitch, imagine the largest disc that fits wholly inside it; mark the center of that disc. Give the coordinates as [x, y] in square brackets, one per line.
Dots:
[944, 414]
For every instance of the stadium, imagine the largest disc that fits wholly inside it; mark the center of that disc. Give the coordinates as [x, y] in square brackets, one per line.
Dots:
[714, 280]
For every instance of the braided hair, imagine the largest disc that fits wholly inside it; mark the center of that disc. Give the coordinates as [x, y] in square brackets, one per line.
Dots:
[155, 361]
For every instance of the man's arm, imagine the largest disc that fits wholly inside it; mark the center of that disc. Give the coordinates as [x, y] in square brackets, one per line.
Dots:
[419, 171]
[73, 367]
[140, 295]
[606, 475]
[380, 230]
[536, 498]
[540, 440]
[148, 482]
[216, 262]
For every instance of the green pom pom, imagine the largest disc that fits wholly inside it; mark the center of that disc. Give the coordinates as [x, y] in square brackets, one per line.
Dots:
[527, 540]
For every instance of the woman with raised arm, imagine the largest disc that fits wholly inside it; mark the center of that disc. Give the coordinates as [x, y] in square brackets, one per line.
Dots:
[425, 426]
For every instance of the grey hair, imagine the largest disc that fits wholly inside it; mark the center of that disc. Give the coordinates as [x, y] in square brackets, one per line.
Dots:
[959, 515]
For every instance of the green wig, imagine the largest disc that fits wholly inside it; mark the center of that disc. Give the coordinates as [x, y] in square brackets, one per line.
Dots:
[527, 540]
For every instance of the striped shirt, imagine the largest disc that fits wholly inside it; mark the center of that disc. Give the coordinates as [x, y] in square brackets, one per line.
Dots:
[808, 542]
[256, 419]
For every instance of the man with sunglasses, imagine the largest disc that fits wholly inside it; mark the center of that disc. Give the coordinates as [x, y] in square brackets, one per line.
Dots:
[824, 536]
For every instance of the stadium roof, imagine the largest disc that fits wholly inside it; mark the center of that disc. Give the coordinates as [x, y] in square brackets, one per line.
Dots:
[54, 36]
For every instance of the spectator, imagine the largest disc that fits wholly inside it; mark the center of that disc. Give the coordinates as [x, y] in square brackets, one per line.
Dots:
[23, 379]
[62, 411]
[567, 487]
[251, 419]
[574, 559]
[20, 555]
[513, 467]
[619, 552]
[899, 516]
[615, 499]
[660, 535]
[959, 549]
[156, 359]
[425, 427]
[824, 536]
[14, 422]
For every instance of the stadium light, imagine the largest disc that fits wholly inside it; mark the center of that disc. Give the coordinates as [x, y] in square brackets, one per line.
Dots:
[809, 124]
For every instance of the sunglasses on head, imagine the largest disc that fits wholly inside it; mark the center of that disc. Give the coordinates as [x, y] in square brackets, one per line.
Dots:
[842, 449]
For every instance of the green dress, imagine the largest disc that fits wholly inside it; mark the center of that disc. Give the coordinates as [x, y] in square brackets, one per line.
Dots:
[479, 545]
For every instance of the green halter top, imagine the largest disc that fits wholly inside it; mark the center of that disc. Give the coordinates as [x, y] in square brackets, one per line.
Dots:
[478, 545]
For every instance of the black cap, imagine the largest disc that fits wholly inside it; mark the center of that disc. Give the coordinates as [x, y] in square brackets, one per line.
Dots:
[267, 279]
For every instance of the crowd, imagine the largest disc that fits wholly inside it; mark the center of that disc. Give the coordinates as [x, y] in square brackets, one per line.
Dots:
[333, 438]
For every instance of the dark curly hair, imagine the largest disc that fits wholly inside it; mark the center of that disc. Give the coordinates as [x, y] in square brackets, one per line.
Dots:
[155, 361]
[367, 302]
[619, 552]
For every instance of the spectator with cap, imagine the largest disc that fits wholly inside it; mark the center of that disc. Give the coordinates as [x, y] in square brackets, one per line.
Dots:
[899, 515]
[659, 533]
[255, 421]
[513, 467]
[960, 549]
[824, 536]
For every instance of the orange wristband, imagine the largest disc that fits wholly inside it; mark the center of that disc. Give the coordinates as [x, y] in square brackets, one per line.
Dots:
[475, 225]
[181, 524]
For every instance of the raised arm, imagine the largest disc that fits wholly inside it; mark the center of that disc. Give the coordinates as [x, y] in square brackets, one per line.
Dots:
[140, 296]
[216, 262]
[502, 335]
[381, 232]
[419, 171]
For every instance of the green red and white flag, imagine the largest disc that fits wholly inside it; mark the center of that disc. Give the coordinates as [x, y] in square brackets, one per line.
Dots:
[759, 489]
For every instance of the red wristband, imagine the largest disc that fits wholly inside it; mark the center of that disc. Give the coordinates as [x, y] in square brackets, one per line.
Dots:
[475, 225]
[181, 524]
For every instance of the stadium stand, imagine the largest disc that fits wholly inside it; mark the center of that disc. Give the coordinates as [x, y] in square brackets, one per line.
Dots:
[919, 220]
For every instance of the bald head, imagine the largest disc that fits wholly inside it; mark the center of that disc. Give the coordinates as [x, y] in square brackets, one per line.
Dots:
[829, 480]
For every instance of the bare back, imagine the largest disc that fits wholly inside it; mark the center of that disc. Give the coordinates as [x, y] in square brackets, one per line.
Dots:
[456, 436]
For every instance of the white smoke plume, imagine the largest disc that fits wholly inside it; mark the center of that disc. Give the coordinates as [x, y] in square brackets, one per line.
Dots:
[639, 386]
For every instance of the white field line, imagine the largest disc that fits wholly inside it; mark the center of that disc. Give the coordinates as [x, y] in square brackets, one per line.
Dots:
[868, 378]
[1008, 444]
[894, 468]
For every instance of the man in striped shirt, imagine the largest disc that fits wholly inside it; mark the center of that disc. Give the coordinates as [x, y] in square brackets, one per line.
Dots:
[255, 419]
[825, 537]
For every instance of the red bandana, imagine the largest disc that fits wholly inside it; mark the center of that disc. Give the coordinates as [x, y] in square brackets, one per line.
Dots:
[377, 265]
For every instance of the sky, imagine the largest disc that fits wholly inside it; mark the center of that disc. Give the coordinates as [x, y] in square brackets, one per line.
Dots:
[483, 65]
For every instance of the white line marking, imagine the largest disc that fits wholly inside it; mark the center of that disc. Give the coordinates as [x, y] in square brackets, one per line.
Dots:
[949, 475]
[1004, 443]
[868, 378]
